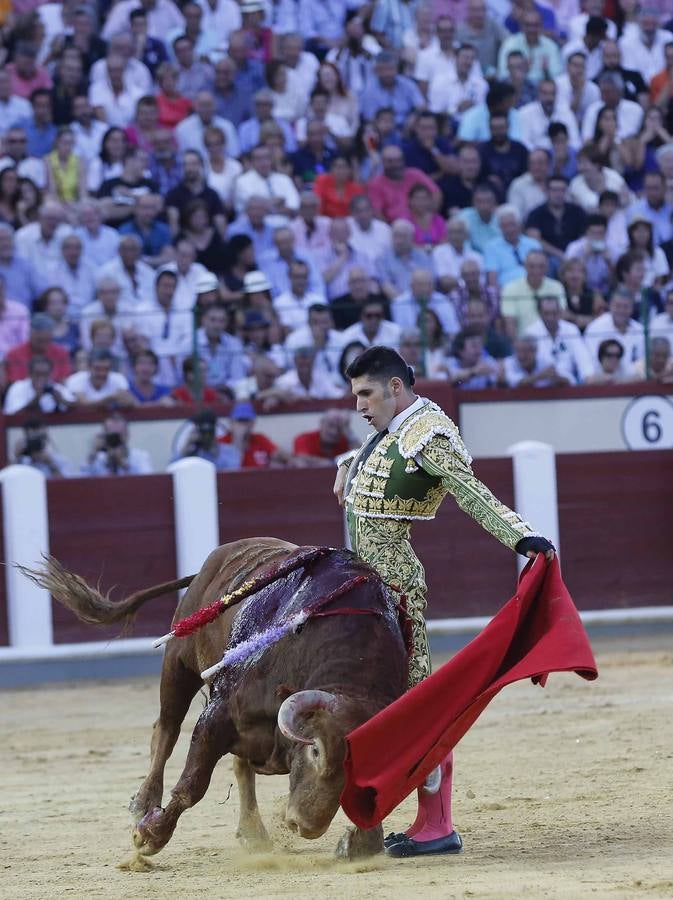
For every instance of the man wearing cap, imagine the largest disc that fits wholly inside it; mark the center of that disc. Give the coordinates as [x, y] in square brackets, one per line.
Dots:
[256, 451]
[39, 343]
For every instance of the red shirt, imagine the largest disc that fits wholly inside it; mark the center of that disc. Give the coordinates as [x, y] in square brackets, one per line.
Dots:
[389, 198]
[332, 203]
[172, 110]
[308, 444]
[18, 360]
[183, 395]
[258, 452]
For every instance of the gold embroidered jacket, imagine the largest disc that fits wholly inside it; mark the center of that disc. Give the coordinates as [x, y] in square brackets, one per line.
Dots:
[410, 472]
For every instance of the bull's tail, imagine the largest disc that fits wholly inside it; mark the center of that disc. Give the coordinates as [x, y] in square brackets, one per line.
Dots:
[86, 602]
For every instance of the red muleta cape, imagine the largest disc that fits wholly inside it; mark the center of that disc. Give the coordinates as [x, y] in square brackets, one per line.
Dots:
[537, 632]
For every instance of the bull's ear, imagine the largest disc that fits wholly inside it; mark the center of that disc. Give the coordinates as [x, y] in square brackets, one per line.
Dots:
[283, 691]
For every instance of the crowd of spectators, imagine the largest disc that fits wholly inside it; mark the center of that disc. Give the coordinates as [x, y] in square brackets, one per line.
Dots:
[229, 199]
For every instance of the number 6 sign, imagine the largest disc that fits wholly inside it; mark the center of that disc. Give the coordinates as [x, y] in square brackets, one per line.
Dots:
[647, 424]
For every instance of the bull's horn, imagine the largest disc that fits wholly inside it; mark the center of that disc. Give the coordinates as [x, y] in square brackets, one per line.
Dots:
[298, 705]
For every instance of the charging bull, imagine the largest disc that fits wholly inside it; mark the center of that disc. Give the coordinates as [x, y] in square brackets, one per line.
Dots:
[282, 708]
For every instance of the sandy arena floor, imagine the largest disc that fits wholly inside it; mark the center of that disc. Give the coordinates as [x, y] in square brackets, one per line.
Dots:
[563, 792]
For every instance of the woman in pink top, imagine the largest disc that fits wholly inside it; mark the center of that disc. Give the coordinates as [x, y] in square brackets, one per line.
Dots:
[429, 226]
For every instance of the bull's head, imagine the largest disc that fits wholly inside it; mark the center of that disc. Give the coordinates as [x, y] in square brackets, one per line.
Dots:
[317, 723]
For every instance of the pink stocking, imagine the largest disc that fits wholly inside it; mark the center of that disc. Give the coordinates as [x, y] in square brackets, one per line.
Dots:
[433, 819]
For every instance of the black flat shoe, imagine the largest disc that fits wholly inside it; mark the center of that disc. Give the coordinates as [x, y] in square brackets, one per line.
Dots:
[393, 838]
[406, 847]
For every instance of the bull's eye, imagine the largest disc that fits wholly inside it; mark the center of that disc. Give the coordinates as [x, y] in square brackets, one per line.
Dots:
[315, 753]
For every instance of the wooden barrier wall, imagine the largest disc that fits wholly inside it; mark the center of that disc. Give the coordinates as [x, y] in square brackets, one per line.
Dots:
[614, 513]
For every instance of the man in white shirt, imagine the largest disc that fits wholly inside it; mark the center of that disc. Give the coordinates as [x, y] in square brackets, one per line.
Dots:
[370, 235]
[302, 67]
[99, 242]
[590, 44]
[189, 133]
[629, 114]
[448, 258]
[99, 386]
[38, 392]
[75, 275]
[136, 73]
[162, 16]
[405, 308]
[39, 243]
[88, 130]
[525, 368]
[12, 108]
[457, 91]
[438, 58]
[261, 181]
[617, 324]
[559, 343]
[114, 98]
[529, 190]
[191, 274]
[14, 145]
[107, 305]
[536, 117]
[306, 380]
[135, 277]
[293, 304]
[643, 50]
[169, 329]
[373, 327]
[577, 22]
[321, 335]
[573, 88]
[220, 17]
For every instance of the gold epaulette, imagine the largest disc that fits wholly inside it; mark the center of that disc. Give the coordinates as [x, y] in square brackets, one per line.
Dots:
[420, 428]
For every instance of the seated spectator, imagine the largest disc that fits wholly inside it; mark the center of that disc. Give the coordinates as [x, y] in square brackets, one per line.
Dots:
[114, 96]
[388, 89]
[109, 306]
[100, 387]
[480, 218]
[172, 105]
[429, 227]
[190, 133]
[99, 242]
[293, 304]
[257, 292]
[39, 126]
[411, 349]
[502, 158]
[39, 343]
[574, 88]
[347, 308]
[89, 134]
[14, 321]
[111, 453]
[25, 73]
[250, 131]
[630, 272]
[119, 195]
[261, 335]
[457, 91]
[54, 302]
[276, 264]
[222, 352]
[75, 275]
[143, 385]
[557, 223]
[518, 304]
[559, 341]
[447, 258]
[332, 438]
[194, 75]
[38, 393]
[542, 52]
[660, 361]
[373, 327]
[337, 188]
[254, 224]
[370, 235]
[168, 328]
[470, 367]
[476, 316]
[306, 380]
[194, 390]
[261, 181]
[109, 163]
[629, 115]
[529, 190]
[342, 101]
[593, 251]
[66, 171]
[405, 308]
[39, 243]
[525, 369]
[22, 282]
[319, 334]
[582, 303]
[617, 324]
[154, 235]
[536, 118]
[641, 239]
[314, 158]
[349, 353]
[15, 147]
[35, 449]
[594, 178]
[609, 371]
[259, 385]
[221, 170]
[458, 187]
[255, 450]
[654, 207]
[199, 229]
[473, 284]
[338, 258]
[165, 163]
[426, 150]
[396, 265]
[504, 256]
[311, 230]
[192, 188]
[335, 125]
[389, 191]
[230, 103]
[150, 51]
[563, 156]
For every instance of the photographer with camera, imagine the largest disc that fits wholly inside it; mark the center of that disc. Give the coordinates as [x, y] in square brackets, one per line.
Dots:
[111, 454]
[202, 442]
[34, 449]
[38, 393]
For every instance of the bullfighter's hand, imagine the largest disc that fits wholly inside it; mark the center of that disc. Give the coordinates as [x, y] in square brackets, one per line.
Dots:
[340, 484]
[549, 555]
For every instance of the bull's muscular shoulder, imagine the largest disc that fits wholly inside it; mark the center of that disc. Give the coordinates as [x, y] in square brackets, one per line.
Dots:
[417, 433]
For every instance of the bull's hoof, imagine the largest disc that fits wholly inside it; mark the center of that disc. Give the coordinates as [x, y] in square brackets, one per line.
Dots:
[151, 834]
[358, 844]
[254, 839]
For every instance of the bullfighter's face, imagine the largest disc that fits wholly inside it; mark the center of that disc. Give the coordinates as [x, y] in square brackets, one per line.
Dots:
[376, 400]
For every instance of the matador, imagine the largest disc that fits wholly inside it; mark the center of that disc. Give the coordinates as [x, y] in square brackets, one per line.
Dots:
[401, 473]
